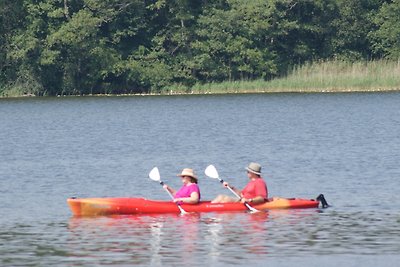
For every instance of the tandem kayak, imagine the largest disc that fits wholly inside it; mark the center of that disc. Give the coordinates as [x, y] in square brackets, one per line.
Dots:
[130, 206]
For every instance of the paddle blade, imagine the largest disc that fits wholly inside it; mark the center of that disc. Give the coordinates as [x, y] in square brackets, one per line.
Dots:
[211, 172]
[154, 174]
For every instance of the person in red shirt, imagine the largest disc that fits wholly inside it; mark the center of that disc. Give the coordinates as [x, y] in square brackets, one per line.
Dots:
[255, 192]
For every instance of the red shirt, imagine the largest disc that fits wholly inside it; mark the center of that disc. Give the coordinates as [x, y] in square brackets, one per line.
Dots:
[254, 188]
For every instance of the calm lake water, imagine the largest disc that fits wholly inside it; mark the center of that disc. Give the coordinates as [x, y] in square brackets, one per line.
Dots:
[343, 145]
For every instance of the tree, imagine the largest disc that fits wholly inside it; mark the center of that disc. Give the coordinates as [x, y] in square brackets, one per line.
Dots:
[307, 35]
[386, 39]
[352, 24]
[11, 19]
[174, 24]
[71, 47]
[232, 41]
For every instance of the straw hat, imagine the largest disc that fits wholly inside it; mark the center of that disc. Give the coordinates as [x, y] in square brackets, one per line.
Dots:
[188, 172]
[254, 168]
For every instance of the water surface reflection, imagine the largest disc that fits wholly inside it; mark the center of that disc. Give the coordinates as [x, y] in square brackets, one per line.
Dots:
[170, 238]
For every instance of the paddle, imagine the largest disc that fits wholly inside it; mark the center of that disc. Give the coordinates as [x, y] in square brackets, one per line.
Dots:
[322, 200]
[155, 176]
[212, 172]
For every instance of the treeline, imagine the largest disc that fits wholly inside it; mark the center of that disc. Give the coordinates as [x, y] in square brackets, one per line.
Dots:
[64, 47]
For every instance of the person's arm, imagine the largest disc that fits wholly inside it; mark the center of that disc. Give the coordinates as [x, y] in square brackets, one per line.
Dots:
[171, 190]
[255, 200]
[237, 191]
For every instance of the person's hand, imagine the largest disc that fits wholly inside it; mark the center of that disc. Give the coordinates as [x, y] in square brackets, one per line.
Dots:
[225, 184]
[246, 200]
[165, 186]
[177, 200]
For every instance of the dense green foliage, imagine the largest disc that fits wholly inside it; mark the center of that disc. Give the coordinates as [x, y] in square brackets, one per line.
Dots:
[63, 47]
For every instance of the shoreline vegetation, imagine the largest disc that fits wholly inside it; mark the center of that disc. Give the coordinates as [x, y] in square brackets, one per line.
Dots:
[158, 47]
[333, 76]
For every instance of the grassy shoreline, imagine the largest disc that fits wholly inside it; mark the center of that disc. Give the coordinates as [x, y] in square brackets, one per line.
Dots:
[318, 77]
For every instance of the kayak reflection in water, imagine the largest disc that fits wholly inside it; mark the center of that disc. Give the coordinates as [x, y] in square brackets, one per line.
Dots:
[189, 193]
[255, 192]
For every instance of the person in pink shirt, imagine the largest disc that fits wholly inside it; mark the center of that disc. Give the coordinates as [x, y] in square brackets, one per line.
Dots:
[255, 192]
[189, 193]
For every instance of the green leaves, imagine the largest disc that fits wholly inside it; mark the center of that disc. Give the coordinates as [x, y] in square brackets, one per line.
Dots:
[386, 39]
[124, 46]
[235, 38]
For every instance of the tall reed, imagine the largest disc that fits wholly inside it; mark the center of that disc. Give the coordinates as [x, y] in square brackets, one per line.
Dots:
[321, 76]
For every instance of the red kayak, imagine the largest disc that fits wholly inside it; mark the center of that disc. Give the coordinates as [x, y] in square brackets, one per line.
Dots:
[129, 206]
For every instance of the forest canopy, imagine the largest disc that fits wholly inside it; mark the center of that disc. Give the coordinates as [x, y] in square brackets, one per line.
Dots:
[76, 47]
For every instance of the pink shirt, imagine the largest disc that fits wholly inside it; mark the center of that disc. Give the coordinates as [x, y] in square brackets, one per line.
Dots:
[187, 190]
[255, 188]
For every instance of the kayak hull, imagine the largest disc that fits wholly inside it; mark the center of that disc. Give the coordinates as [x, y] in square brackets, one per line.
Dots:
[130, 206]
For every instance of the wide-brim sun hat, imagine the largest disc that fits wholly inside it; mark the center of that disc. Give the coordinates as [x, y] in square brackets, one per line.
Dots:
[254, 168]
[188, 172]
